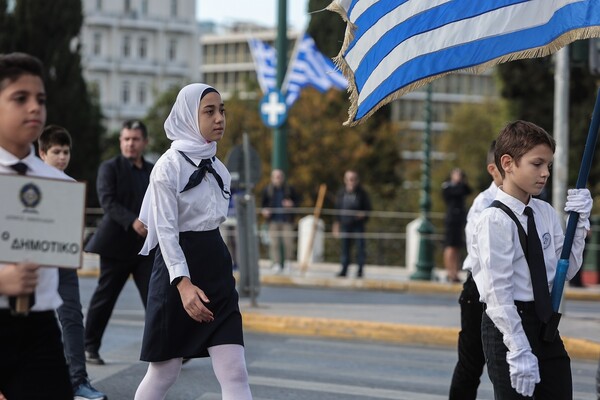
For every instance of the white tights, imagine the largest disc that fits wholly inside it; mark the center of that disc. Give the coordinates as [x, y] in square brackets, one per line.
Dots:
[229, 365]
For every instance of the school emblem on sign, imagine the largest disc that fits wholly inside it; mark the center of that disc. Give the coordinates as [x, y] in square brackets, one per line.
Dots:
[30, 196]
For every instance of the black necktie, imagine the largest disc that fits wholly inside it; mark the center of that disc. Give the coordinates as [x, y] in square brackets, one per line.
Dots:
[200, 172]
[21, 169]
[537, 269]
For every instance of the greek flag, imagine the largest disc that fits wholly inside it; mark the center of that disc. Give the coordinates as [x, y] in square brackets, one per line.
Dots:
[265, 62]
[395, 46]
[308, 67]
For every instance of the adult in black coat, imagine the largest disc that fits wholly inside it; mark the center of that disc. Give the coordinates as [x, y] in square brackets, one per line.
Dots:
[354, 205]
[121, 185]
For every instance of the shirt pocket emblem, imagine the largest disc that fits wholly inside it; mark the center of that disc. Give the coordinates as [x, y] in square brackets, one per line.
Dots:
[546, 240]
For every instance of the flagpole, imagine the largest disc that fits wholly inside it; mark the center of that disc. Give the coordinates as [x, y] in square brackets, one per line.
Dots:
[584, 172]
[279, 159]
[425, 259]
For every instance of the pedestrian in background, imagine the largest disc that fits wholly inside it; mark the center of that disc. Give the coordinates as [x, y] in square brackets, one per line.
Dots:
[55, 146]
[471, 360]
[277, 200]
[121, 184]
[32, 361]
[193, 306]
[517, 242]
[454, 191]
[353, 204]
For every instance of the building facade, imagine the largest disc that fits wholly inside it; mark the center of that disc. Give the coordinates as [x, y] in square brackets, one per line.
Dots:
[135, 49]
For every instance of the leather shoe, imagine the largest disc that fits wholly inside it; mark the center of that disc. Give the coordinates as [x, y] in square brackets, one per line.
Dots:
[93, 357]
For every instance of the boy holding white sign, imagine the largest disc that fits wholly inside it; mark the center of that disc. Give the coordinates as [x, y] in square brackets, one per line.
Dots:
[32, 363]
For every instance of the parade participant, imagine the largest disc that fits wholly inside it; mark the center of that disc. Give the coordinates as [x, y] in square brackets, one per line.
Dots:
[471, 360]
[54, 146]
[193, 306]
[525, 356]
[32, 361]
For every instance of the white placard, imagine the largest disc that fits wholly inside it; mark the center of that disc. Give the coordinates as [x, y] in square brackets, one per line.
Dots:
[41, 220]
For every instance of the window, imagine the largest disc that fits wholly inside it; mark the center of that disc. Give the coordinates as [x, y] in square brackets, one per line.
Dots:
[143, 47]
[142, 93]
[97, 44]
[127, 6]
[126, 46]
[173, 8]
[172, 49]
[144, 7]
[99, 5]
[125, 93]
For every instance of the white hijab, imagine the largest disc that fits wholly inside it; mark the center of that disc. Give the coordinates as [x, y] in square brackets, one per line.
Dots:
[183, 129]
[182, 123]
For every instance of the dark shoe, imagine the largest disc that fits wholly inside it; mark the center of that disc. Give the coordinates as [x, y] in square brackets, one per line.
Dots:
[342, 274]
[185, 360]
[85, 391]
[359, 274]
[93, 357]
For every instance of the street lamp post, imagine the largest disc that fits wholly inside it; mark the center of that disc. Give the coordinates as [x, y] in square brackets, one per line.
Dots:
[425, 260]
[279, 154]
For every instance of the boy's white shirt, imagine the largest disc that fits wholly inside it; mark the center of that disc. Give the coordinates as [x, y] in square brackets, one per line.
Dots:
[481, 202]
[46, 292]
[501, 271]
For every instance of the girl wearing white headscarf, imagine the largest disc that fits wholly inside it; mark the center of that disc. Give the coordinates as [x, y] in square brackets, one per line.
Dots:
[192, 306]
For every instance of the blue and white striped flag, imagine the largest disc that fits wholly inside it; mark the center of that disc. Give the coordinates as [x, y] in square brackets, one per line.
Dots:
[395, 46]
[309, 67]
[265, 62]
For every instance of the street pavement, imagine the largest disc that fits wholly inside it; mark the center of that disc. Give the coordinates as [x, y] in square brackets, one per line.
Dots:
[435, 323]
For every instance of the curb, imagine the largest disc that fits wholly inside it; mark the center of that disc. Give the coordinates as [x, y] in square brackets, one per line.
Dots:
[383, 332]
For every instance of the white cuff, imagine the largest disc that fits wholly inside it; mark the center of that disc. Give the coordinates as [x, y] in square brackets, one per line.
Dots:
[178, 270]
[516, 342]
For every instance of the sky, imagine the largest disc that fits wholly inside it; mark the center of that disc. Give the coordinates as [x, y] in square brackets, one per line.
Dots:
[260, 11]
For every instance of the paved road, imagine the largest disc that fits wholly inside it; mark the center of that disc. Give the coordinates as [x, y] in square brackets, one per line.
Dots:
[292, 367]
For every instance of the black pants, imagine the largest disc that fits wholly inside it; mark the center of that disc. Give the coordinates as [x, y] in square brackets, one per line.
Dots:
[471, 360]
[32, 362]
[113, 276]
[554, 362]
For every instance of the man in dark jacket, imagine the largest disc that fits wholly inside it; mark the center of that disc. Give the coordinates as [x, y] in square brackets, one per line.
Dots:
[277, 199]
[121, 185]
[354, 205]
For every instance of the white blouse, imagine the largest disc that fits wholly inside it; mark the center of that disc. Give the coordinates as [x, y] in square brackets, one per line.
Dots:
[201, 208]
[501, 272]
[46, 291]
[481, 202]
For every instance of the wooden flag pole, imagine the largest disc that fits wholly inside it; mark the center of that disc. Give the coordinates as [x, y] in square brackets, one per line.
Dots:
[313, 232]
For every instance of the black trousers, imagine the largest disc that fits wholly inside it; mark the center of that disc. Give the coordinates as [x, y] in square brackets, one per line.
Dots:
[32, 361]
[113, 276]
[471, 360]
[554, 362]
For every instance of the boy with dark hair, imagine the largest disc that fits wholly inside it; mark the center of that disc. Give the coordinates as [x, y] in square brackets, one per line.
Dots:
[32, 363]
[54, 146]
[516, 265]
[471, 360]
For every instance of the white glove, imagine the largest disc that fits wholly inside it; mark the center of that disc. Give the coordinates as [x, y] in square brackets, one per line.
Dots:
[580, 201]
[524, 371]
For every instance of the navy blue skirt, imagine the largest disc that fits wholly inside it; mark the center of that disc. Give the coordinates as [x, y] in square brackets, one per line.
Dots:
[169, 331]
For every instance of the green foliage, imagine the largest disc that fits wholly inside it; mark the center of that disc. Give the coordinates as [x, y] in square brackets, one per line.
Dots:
[326, 28]
[472, 129]
[155, 120]
[49, 30]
